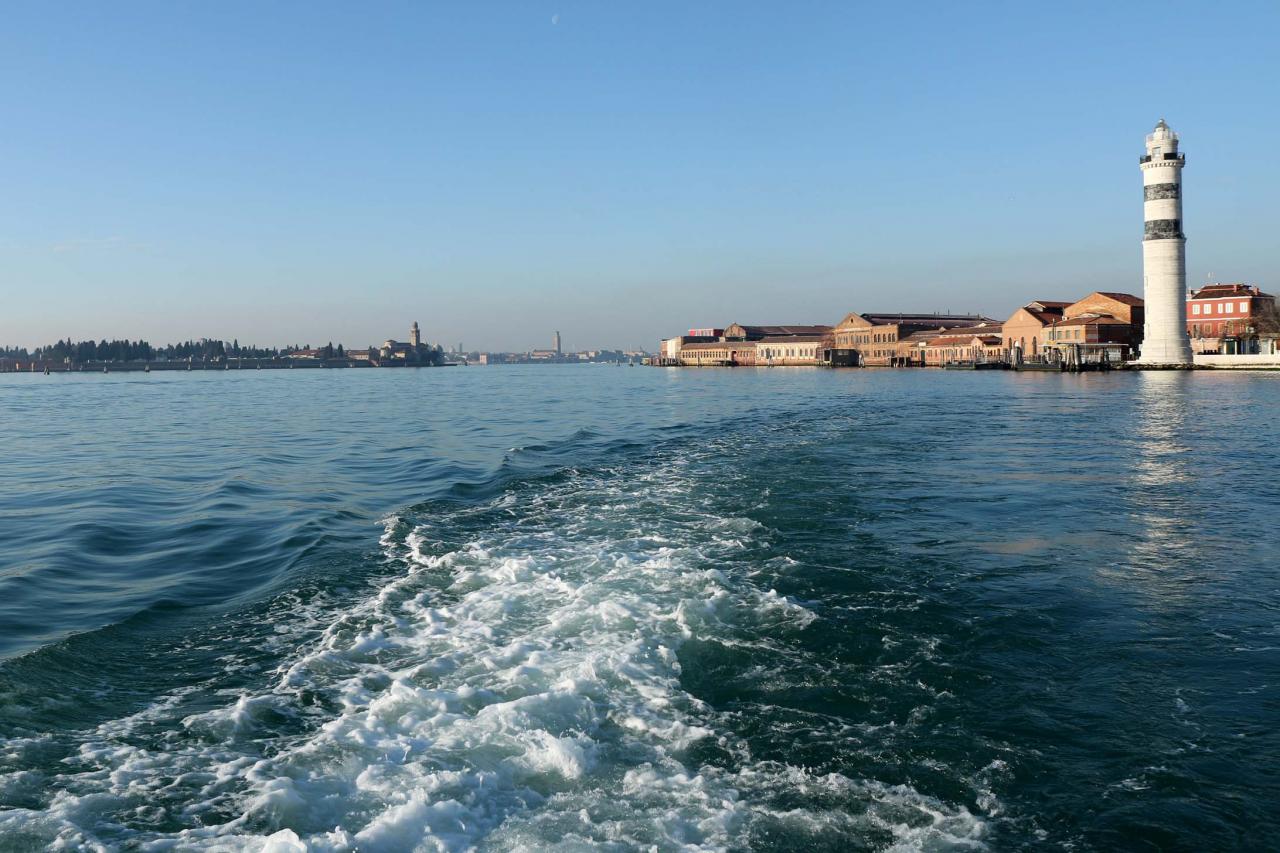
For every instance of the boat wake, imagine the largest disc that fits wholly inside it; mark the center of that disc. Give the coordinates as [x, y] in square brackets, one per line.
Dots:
[514, 682]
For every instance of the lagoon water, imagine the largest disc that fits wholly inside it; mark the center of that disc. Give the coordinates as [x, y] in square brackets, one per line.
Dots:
[572, 608]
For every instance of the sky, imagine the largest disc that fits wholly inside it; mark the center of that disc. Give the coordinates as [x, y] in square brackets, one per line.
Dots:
[310, 172]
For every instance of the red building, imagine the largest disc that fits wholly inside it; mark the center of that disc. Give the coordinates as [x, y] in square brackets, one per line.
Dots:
[1229, 318]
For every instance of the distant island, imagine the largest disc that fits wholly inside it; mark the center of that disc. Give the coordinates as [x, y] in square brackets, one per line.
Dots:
[215, 354]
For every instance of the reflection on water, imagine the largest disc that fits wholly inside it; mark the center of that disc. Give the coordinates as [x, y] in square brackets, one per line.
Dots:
[1162, 469]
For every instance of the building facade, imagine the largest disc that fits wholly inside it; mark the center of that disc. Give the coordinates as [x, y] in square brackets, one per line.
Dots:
[789, 350]
[413, 352]
[719, 354]
[963, 348]
[1023, 334]
[875, 337]
[1231, 319]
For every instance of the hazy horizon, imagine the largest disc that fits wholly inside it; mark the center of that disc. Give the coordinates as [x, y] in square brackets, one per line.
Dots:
[325, 173]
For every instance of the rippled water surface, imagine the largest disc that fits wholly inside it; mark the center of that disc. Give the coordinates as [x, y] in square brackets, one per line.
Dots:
[570, 608]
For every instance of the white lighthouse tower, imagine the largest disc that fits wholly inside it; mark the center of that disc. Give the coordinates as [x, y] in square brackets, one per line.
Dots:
[1164, 253]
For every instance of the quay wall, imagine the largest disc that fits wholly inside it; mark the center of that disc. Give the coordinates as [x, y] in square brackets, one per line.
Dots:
[1257, 361]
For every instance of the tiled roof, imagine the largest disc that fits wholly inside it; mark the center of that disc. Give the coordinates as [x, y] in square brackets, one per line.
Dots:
[791, 339]
[1045, 317]
[1091, 320]
[732, 345]
[1217, 291]
[979, 329]
[755, 332]
[1126, 298]
[957, 340]
[936, 321]
[922, 335]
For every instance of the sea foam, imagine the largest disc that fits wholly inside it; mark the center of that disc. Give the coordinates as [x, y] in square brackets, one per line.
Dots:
[514, 684]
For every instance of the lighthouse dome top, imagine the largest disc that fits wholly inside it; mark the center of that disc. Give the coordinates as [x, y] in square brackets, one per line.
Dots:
[1162, 140]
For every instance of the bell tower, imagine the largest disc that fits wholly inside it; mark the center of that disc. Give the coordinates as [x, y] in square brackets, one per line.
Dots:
[415, 337]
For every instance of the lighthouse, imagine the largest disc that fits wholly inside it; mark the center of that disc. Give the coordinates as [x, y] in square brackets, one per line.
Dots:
[1164, 253]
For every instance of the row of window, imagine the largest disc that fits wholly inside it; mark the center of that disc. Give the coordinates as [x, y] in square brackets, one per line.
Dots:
[1223, 307]
[868, 338]
[1216, 330]
[772, 352]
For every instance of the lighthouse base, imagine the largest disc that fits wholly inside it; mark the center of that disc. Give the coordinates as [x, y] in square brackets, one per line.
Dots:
[1148, 365]
[1166, 351]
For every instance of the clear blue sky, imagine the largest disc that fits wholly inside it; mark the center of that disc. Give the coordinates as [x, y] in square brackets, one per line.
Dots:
[306, 172]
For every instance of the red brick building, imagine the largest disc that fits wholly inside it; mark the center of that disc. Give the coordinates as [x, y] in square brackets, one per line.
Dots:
[1230, 318]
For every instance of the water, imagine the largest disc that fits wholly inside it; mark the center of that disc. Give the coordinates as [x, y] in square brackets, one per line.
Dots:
[575, 608]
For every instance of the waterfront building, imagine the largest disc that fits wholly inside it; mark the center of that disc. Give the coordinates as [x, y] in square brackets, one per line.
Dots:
[1104, 326]
[1090, 338]
[1232, 319]
[789, 350]
[413, 352]
[669, 349]
[963, 346]
[742, 345]
[926, 348]
[1164, 252]
[1024, 332]
[911, 349]
[719, 354]
[1129, 309]
[874, 338]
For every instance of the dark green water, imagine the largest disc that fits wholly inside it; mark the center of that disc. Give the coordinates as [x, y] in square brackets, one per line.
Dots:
[604, 608]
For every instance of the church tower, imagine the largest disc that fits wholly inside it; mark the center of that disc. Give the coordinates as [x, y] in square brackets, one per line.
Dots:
[1164, 253]
[415, 337]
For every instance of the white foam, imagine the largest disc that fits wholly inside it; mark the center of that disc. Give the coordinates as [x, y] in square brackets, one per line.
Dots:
[531, 699]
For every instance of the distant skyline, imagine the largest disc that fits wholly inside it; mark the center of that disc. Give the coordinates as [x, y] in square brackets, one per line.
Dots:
[313, 172]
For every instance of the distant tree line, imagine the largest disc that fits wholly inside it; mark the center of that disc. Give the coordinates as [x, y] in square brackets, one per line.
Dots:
[207, 349]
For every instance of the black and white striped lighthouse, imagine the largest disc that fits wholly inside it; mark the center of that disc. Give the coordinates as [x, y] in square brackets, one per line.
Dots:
[1164, 252]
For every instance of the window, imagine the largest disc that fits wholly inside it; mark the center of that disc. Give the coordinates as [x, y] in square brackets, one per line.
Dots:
[1195, 309]
[1244, 307]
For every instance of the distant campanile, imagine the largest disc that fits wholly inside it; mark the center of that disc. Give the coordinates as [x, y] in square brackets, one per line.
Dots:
[555, 343]
[1164, 252]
